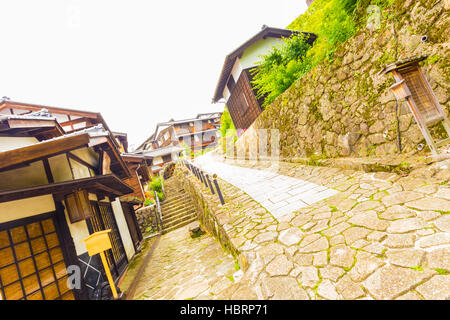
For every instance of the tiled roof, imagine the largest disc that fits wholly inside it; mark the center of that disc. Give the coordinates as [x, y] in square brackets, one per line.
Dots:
[42, 114]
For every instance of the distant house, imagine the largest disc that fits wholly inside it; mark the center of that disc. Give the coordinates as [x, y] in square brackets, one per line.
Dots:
[61, 178]
[197, 133]
[234, 86]
[160, 157]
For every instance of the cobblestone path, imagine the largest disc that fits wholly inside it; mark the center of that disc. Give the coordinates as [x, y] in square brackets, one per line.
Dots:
[382, 236]
[185, 268]
[278, 193]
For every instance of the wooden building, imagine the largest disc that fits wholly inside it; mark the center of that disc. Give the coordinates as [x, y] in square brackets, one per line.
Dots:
[56, 188]
[140, 170]
[235, 82]
[197, 133]
[160, 157]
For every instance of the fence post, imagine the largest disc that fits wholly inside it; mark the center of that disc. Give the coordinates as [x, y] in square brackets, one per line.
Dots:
[204, 179]
[219, 193]
[210, 184]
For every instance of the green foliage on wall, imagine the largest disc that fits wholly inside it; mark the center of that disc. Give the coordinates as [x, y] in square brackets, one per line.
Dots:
[280, 67]
[332, 21]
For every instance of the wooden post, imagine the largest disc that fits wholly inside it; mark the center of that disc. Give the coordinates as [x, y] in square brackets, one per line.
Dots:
[108, 275]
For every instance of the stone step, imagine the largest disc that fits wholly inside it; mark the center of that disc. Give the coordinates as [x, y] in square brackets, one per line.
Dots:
[167, 214]
[182, 224]
[172, 197]
[175, 206]
[174, 201]
[171, 218]
[179, 220]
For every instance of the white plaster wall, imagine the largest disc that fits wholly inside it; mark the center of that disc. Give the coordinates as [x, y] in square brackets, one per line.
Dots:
[157, 160]
[8, 143]
[237, 69]
[79, 232]
[88, 155]
[24, 208]
[79, 170]
[32, 175]
[60, 168]
[250, 56]
[226, 93]
[123, 228]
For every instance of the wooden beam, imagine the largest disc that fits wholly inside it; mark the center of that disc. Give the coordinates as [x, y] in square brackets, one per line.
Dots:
[88, 122]
[109, 184]
[41, 150]
[53, 110]
[84, 163]
[107, 189]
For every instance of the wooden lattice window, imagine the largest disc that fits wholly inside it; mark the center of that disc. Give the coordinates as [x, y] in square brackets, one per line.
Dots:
[32, 265]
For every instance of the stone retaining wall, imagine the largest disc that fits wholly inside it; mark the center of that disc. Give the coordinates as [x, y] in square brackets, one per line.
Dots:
[344, 108]
[146, 217]
[228, 223]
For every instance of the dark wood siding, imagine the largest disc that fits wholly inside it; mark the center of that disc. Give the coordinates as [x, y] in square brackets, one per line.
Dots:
[242, 104]
[134, 183]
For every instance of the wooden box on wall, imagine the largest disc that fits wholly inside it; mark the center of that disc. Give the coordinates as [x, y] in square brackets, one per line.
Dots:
[78, 206]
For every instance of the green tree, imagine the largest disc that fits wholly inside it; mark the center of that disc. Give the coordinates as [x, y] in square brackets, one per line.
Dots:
[226, 129]
[226, 123]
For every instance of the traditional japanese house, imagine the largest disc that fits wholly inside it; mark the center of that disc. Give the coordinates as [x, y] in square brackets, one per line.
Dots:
[197, 133]
[57, 188]
[140, 169]
[235, 82]
[160, 157]
[69, 119]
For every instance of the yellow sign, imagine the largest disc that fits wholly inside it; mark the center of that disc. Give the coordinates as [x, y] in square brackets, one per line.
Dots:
[98, 242]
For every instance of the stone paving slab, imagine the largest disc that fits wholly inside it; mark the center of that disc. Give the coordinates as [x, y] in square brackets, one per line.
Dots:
[383, 236]
[278, 193]
[185, 268]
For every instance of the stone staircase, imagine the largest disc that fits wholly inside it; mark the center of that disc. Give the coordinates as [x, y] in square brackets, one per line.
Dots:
[177, 209]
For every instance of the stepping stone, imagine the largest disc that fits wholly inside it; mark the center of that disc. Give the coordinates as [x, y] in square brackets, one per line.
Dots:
[194, 229]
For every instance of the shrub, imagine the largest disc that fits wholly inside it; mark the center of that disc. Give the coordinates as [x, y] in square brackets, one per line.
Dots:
[332, 21]
[160, 196]
[226, 123]
[148, 201]
[156, 184]
[227, 129]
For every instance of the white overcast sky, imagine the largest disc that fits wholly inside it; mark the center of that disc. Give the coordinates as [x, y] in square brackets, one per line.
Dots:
[137, 62]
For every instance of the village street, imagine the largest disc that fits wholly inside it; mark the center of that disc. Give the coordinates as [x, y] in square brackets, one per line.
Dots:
[377, 236]
[184, 268]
